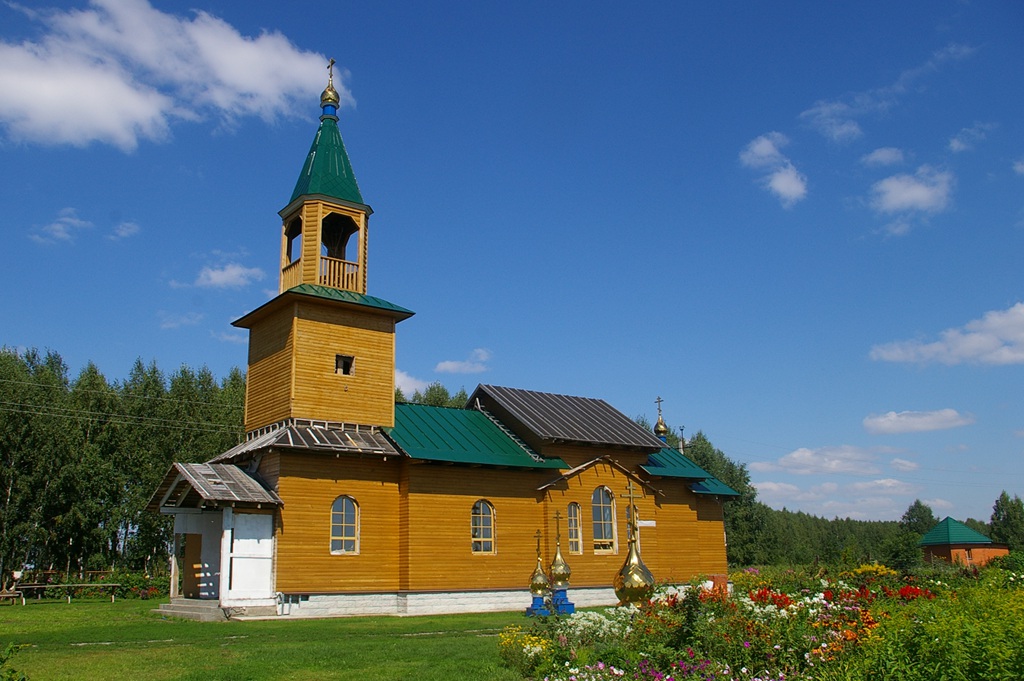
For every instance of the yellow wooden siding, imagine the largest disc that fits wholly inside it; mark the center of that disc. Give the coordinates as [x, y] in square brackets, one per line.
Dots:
[309, 484]
[365, 396]
[268, 381]
[440, 502]
[415, 526]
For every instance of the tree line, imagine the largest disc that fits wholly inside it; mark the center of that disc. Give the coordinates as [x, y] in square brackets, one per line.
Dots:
[81, 457]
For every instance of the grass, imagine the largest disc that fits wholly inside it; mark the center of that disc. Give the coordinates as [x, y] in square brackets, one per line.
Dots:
[124, 640]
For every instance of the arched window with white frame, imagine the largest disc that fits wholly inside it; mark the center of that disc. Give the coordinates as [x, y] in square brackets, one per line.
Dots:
[575, 530]
[482, 527]
[344, 526]
[603, 505]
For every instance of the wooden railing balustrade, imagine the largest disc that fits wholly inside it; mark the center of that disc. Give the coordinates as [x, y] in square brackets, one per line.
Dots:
[291, 275]
[337, 273]
[333, 272]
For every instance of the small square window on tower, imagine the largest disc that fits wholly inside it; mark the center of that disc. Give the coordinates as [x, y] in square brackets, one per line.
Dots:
[344, 365]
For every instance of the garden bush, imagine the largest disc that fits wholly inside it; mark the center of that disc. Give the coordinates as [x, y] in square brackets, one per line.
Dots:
[793, 623]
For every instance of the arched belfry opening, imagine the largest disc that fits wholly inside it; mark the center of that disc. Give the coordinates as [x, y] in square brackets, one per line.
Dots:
[324, 244]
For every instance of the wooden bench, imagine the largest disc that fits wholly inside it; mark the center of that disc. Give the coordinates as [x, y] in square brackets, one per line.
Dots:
[13, 595]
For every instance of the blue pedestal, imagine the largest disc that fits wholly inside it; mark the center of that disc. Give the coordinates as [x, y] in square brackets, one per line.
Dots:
[538, 608]
[560, 603]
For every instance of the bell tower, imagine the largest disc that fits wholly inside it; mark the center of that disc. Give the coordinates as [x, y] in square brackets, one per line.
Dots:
[323, 350]
[324, 233]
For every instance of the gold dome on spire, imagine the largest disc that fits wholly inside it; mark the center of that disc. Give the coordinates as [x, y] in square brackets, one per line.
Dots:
[660, 429]
[330, 96]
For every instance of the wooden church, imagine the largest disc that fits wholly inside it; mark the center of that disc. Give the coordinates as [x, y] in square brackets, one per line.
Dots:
[340, 501]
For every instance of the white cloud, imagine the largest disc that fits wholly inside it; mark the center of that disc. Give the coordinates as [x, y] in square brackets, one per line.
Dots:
[61, 229]
[834, 120]
[903, 465]
[883, 156]
[169, 320]
[121, 71]
[804, 461]
[124, 230]
[236, 338]
[968, 137]
[1018, 167]
[883, 486]
[997, 338]
[231, 275]
[891, 423]
[781, 177]
[938, 503]
[928, 190]
[837, 119]
[476, 363]
[407, 384]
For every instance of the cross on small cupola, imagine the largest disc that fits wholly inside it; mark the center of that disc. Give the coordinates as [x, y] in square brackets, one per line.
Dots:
[660, 429]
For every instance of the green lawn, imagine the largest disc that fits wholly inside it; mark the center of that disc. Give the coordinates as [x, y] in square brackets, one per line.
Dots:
[124, 640]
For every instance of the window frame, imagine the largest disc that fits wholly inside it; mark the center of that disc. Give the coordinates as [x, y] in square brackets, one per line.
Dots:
[344, 365]
[344, 523]
[574, 528]
[605, 533]
[482, 529]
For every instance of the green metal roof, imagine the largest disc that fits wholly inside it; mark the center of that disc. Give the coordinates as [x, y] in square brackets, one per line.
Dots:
[713, 486]
[460, 436]
[325, 293]
[327, 170]
[343, 296]
[951, 531]
[669, 463]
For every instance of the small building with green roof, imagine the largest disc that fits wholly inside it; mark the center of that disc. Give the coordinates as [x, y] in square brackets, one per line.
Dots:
[953, 542]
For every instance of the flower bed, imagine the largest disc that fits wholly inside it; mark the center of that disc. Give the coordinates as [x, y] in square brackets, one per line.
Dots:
[791, 625]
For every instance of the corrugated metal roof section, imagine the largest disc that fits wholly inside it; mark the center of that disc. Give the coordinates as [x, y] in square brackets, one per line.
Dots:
[347, 438]
[191, 485]
[951, 531]
[564, 418]
[460, 436]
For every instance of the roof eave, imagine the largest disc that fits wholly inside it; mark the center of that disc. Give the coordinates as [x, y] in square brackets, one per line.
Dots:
[246, 321]
[303, 198]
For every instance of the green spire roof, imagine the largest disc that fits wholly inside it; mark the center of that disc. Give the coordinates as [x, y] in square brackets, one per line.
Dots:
[327, 170]
[951, 531]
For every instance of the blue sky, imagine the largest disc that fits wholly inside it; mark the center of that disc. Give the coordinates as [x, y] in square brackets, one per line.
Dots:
[801, 224]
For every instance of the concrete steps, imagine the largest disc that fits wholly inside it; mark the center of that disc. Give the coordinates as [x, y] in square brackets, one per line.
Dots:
[193, 609]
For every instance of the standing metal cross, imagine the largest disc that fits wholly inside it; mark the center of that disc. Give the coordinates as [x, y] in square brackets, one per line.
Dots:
[330, 70]
[658, 402]
[538, 543]
[558, 527]
[634, 528]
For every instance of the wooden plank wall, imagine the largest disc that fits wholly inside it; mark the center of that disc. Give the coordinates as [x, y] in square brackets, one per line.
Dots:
[440, 502]
[268, 382]
[309, 484]
[415, 526]
[368, 395]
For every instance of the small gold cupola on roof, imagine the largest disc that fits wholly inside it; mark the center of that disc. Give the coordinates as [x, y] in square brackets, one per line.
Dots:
[325, 224]
[660, 429]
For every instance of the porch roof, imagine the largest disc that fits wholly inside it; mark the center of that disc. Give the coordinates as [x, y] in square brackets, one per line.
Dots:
[199, 485]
